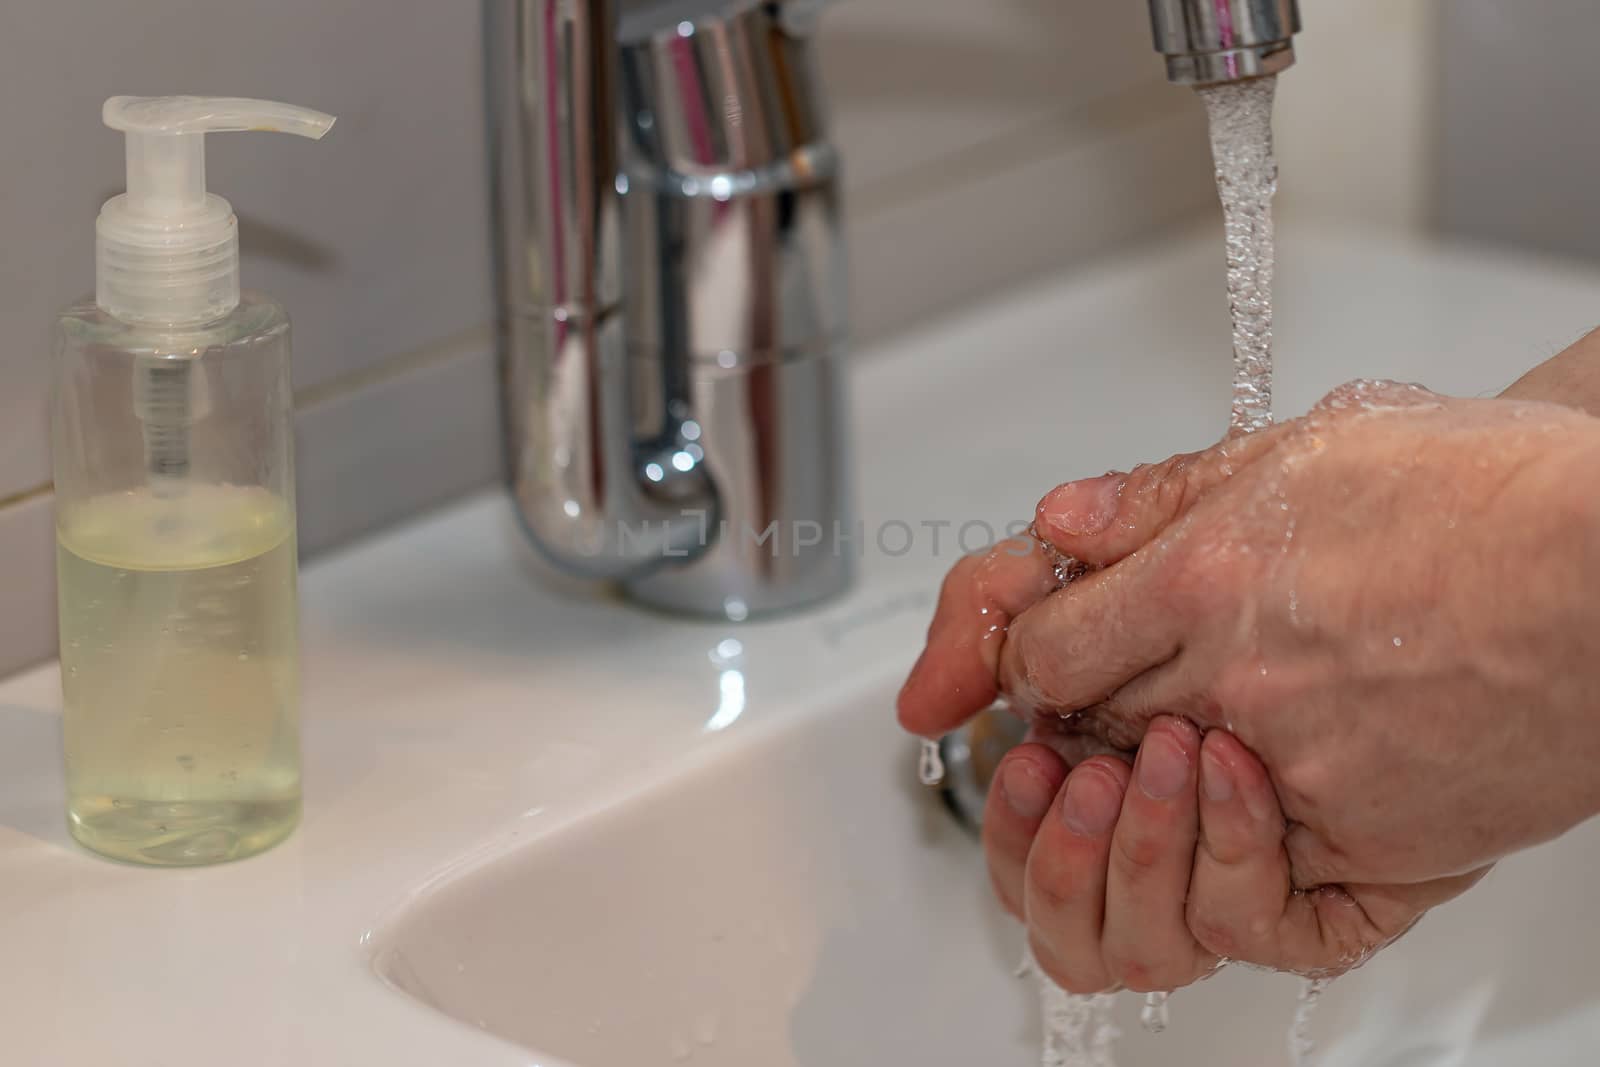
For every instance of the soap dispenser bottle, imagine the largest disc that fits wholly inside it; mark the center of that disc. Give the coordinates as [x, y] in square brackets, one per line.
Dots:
[175, 529]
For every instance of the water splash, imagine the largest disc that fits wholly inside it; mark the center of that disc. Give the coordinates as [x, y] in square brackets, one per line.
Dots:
[1300, 1043]
[1067, 570]
[1155, 1014]
[1078, 1030]
[930, 764]
[1247, 179]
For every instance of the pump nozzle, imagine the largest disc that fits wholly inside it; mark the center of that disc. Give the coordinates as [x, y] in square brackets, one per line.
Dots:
[167, 252]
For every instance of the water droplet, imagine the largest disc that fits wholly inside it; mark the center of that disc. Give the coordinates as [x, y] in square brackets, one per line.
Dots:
[930, 764]
[705, 1029]
[1155, 1013]
[1077, 1029]
[1398, 642]
[1300, 1043]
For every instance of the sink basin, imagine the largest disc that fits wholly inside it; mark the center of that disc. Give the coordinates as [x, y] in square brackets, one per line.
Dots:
[783, 893]
[796, 899]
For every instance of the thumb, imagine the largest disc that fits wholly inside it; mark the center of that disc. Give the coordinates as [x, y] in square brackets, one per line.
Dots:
[1101, 521]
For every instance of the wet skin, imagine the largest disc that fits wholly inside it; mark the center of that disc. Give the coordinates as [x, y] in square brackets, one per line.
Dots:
[1306, 703]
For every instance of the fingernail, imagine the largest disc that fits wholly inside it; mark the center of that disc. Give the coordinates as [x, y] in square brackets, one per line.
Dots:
[1026, 791]
[1082, 509]
[1216, 781]
[1092, 802]
[1163, 766]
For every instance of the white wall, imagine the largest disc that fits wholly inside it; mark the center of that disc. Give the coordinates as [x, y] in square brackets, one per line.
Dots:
[1520, 140]
[1356, 123]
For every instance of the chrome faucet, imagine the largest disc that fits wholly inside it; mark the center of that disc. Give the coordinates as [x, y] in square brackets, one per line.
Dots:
[672, 288]
[1208, 42]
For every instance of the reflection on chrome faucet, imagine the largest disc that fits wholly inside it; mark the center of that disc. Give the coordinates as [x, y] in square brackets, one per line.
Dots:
[728, 659]
[672, 287]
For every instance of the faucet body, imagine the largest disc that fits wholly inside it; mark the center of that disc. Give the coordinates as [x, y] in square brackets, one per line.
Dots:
[672, 295]
[1209, 42]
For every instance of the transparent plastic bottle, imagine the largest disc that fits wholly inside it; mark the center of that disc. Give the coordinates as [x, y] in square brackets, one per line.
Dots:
[175, 527]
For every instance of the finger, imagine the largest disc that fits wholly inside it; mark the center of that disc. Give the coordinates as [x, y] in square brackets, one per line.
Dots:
[1243, 904]
[1241, 887]
[1025, 785]
[1101, 521]
[1147, 943]
[1076, 648]
[954, 678]
[1065, 888]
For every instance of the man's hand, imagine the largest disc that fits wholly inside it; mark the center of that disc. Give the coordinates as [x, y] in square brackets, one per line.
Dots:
[1146, 878]
[1388, 600]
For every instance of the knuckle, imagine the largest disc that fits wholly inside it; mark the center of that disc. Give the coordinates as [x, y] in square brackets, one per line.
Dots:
[1035, 665]
[1301, 781]
[1140, 852]
[1348, 936]
[1049, 897]
[1134, 976]
[1215, 936]
[1172, 486]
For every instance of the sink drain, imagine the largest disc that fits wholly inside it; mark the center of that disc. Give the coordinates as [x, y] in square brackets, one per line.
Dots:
[971, 756]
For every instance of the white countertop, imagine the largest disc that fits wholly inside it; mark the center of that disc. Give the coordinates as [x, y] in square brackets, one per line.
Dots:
[454, 701]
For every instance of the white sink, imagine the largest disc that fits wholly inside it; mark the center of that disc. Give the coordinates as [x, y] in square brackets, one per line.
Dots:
[796, 900]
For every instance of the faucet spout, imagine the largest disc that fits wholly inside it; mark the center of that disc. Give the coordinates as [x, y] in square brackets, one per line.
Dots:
[1210, 42]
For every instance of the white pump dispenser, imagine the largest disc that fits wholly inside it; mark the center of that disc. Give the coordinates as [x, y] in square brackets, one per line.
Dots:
[166, 251]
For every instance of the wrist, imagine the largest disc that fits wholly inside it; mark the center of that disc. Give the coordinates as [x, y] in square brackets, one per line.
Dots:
[1571, 379]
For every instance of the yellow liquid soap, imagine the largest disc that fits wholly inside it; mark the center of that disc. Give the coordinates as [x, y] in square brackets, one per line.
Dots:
[179, 669]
